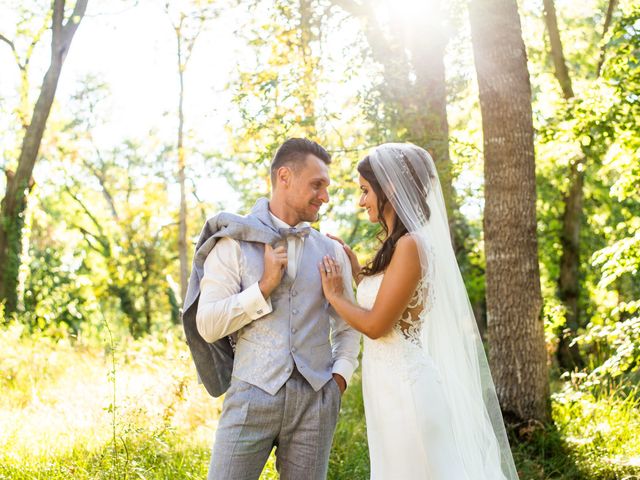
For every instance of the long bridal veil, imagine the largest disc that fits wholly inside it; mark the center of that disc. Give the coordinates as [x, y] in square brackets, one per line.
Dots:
[408, 177]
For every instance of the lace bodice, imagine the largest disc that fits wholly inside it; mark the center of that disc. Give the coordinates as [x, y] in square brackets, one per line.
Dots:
[409, 326]
[401, 348]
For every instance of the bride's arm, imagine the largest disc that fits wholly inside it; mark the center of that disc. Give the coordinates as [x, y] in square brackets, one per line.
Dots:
[400, 281]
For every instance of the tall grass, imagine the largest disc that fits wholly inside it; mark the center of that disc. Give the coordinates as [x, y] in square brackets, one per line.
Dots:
[602, 432]
[350, 453]
[60, 419]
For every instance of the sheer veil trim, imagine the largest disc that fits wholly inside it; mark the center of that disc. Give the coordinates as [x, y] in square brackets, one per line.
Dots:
[409, 179]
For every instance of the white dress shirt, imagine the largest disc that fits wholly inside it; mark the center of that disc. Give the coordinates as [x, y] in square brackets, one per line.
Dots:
[294, 245]
[224, 308]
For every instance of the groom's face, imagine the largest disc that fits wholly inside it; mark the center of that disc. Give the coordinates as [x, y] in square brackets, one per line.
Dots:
[307, 190]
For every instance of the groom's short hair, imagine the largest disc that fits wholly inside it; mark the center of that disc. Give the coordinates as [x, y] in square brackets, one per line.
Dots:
[293, 153]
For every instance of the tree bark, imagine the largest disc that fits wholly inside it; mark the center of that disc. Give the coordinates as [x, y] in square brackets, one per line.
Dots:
[309, 66]
[429, 126]
[515, 329]
[569, 281]
[182, 216]
[146, 267]
[607, 23]
[14, 202]
[186, 40]
[557, 53]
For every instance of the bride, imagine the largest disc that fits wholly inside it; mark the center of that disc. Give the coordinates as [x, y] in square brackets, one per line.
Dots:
[430, 403]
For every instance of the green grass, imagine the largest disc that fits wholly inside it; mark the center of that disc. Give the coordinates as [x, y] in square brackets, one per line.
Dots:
[350, 453]
[602, 433]
[590, 438]
[57, 419]
[149, 455]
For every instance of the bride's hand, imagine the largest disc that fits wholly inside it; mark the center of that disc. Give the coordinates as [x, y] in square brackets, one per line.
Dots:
[353, 259]
[331, 275]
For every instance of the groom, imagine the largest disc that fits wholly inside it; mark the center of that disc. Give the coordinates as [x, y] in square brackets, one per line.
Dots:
[293, 355]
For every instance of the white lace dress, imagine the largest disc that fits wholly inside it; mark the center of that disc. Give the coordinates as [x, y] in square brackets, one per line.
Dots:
[408, 419]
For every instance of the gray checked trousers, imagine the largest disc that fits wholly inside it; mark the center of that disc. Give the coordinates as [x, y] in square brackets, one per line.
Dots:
[297, 420]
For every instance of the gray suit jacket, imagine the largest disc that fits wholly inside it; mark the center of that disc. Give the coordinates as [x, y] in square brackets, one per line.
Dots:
[214, 361]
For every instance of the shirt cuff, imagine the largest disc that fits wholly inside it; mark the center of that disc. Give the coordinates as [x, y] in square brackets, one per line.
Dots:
[344, 368]
[253, 303]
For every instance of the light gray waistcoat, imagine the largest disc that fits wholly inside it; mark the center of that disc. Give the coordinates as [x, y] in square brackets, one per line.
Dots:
[297, 329]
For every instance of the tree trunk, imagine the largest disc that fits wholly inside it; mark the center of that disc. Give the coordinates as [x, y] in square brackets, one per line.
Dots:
[421, 105]
[569, 279]
[429, 126]
[128, 307]
[18, 185]
[309, 66]
[557, 53]
[146, 292]
[607, 23]
[186, 37]
[515, 329]
[182, 220]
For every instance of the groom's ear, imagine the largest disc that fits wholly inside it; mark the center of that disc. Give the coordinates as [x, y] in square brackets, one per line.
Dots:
[283, 176]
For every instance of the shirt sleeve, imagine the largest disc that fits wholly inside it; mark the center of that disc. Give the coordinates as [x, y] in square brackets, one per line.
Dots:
[345, 341]
[224, 307]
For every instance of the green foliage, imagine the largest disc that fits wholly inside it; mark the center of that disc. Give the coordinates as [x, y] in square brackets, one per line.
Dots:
[275, 95]
[594, 131]
[56, 297]
[596, 410]
[614, 353]
[612, 338]
[122, 254]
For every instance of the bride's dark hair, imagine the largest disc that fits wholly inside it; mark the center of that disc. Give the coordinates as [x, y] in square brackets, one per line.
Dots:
[388, 238]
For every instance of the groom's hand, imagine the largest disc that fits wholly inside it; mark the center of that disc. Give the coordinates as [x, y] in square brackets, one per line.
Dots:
[275, 263]
[342, 383]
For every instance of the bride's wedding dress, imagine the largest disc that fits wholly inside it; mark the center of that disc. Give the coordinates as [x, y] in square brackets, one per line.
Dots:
[430, 403]
[408, 419]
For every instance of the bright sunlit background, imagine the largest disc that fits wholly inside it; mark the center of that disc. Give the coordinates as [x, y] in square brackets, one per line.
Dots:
[95, 378]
